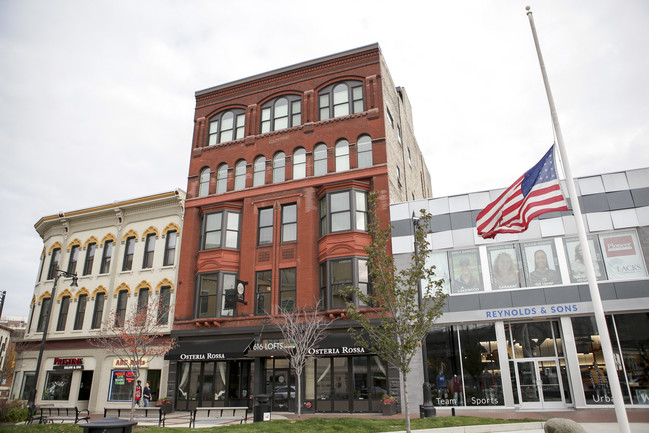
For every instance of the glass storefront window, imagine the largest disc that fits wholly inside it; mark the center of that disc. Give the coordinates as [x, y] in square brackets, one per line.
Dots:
[27, 385]
[632, 332]
[443, 356]
[121, 385]
[57, 385]
[481, 367]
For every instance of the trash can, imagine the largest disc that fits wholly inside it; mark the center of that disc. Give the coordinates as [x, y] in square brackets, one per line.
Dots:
[261, 409]
[109, 425]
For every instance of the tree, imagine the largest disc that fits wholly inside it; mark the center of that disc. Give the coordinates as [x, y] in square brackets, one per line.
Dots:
[302, 330]
[396, 322]
[135, 338]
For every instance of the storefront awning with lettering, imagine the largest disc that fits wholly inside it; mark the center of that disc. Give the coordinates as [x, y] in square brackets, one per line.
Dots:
[213, 350]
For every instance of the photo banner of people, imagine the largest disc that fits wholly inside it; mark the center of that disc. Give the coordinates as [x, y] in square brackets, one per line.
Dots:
[541, 264]
[505, 267]
[622, 255]
[467, 275]
[576, 259]
[440, 261]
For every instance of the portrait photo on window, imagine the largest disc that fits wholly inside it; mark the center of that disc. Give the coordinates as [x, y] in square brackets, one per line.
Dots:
[466, 271]
[505, 266]
[439, 259]
[541, 264]
[622, 255]
[576, 259]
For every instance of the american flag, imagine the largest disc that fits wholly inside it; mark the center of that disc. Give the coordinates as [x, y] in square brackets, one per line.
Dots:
[534, 193]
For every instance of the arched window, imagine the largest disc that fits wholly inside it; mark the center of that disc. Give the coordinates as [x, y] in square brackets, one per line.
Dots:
[299, 163]
[279, 163]
[342, 155]
[320, 160]
[340, 99]
[281, 113]
[259, 171]
[222, 179]
[240, 175]
[204, 182]
[364, 151]
[226, 126]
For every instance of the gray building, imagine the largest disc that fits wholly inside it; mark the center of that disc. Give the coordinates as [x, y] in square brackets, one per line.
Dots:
[518, 330]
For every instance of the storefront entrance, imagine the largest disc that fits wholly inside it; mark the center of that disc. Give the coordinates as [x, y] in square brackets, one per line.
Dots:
[539, 376]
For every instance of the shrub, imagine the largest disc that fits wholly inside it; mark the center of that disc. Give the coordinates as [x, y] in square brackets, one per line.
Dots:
[15, 414]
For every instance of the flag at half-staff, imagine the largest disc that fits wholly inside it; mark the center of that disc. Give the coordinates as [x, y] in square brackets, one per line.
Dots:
[534, 193]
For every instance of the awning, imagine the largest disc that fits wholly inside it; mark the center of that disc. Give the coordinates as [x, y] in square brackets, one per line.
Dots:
[210, 350]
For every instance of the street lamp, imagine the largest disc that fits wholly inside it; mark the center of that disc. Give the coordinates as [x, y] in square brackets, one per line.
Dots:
[57, 274]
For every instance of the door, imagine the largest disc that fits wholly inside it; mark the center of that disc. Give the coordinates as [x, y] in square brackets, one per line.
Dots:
[540, 384]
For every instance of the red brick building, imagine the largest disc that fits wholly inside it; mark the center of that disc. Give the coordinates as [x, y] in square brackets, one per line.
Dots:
[281, 165]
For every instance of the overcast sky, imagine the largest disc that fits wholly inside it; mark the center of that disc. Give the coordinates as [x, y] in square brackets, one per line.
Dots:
[97, 98]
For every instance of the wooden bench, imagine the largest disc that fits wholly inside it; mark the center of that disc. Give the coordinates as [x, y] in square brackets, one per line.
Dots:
[150, 413]
[220, 414]
[63, 413]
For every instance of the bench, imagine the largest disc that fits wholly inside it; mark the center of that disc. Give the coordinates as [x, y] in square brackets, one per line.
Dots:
[149, 413]
[63, 413]
[220, 414]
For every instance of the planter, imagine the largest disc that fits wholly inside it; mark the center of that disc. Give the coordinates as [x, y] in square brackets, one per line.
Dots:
[389, 409]
[166, 408]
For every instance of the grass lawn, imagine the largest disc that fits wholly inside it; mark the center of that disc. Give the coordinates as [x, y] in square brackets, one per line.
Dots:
[320, 425]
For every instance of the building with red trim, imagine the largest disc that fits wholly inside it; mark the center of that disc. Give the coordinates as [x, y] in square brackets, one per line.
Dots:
[281, 166]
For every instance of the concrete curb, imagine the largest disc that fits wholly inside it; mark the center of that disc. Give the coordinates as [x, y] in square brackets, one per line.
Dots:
[485, 428]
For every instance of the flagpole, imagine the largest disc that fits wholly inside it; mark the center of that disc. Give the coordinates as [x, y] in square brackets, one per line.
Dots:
[598, 309]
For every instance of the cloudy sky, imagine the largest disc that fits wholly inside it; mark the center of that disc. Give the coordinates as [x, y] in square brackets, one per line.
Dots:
[97, 98]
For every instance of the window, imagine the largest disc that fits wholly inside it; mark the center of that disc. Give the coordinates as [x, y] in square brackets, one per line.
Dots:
[398, 175]
[409, 157]
[204, 182]
[342, 155]
[143, 300]
[221, 229]
[364, 151]
[98, 311]
[281, 113]
[29, 383]
[90, 258]
[54, 263]
[240, 175]
[149, 249]
[63, 313]
[262, 293]
[226, 126]
[81, 312]
[212, 289]
[74, 258]
[164, 303]
[129, 250]
[279, 164]
[259, 171]
[222, 179]
[57, 385]
[343, 211]
[105, 259]
[265, 226]
[289, 223]
[390, 119]
[121, 385]
[170, 248]
[45, 311]
[120, 311]
[320, 160]
[299, 163]
[338, 276]
[341, 99]
[399, 133]
[287, 285]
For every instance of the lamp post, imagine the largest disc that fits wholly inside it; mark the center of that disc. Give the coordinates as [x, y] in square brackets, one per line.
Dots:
[57, 274]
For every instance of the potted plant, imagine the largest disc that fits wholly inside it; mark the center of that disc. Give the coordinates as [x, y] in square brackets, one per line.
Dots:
[389, 405]
[165, 405]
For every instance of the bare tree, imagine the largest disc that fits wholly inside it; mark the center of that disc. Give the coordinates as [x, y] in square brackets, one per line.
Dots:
[135, 338]
[396, 321]
[302, 330]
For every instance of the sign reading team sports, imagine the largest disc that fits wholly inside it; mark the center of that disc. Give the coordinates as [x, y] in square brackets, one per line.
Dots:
[546, 310]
